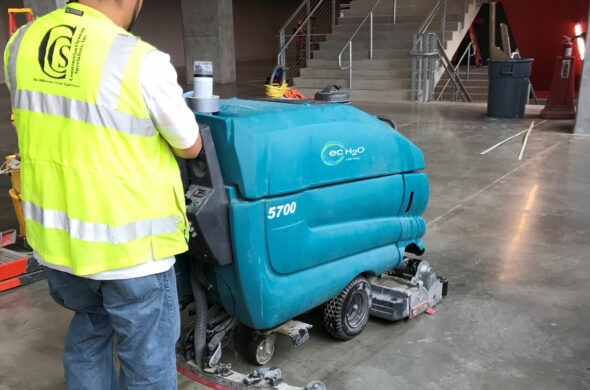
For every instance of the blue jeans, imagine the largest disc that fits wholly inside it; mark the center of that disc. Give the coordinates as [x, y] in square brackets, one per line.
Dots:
[142, 313]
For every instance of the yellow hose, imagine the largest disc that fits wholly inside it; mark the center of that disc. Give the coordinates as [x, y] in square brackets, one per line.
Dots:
[274, 91]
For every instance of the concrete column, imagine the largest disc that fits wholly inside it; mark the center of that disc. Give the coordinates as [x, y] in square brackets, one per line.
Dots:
[42, 7]
[583, 114]
[208, 31]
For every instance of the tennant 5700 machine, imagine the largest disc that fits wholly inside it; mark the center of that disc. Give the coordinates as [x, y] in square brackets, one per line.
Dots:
[294, 207]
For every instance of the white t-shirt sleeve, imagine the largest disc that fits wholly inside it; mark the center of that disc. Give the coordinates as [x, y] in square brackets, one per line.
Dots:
[164, 101]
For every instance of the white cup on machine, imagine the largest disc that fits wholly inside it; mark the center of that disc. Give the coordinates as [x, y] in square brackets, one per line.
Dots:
[203, 79]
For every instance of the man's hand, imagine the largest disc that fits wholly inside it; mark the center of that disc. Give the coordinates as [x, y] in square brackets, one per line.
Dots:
[190, 152]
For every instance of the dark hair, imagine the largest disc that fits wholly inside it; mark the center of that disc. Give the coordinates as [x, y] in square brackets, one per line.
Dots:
[76, 1]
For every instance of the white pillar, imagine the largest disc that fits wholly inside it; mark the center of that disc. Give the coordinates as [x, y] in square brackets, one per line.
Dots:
[583, 114]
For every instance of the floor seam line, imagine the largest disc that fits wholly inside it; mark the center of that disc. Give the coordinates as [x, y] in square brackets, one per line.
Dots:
[539, 155]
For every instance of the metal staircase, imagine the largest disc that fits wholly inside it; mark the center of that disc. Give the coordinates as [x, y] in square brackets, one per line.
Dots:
[367, 51]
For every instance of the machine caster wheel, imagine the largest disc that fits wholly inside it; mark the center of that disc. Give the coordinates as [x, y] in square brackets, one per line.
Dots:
[315, 385]
[261, 349]
[346, 315]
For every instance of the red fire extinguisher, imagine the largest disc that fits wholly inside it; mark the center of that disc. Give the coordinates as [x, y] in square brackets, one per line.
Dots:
[560, 103]
[567, 45]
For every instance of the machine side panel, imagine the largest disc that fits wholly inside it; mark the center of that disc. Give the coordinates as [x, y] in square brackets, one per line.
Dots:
[413, 227]
[416, 193]
[273, 279]
[327, 224]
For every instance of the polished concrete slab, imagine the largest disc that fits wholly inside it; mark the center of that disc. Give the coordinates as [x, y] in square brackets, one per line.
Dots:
[511, 236]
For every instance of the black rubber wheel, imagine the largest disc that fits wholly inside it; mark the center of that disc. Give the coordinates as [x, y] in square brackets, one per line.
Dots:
[346, 315]
[261, 349]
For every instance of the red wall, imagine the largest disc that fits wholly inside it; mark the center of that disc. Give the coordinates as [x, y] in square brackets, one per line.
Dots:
[538, 27]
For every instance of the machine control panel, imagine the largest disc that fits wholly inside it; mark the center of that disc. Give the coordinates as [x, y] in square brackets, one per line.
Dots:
[207, 206]
[195, 196]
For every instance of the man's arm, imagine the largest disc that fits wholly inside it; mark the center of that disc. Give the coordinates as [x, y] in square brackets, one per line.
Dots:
[190, 152]
[167, 108]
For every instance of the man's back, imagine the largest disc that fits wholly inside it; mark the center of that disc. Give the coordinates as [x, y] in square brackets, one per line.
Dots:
[101, 188]
[99, 114]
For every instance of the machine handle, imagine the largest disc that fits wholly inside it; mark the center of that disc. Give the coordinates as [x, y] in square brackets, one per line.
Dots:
[388, 120]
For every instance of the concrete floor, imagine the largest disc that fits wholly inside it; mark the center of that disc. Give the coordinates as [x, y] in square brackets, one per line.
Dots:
[511, 236]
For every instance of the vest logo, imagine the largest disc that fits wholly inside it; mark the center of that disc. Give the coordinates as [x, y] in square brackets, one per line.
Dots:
[55, 51]
[334, 153]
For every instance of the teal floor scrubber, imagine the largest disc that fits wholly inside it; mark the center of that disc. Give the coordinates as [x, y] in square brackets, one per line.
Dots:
[294, 207]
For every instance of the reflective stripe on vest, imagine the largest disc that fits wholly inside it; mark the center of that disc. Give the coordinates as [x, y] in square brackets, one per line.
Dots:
[99, 232]
[13, 52]
[112, 73]
[104, 113]
[85, 112]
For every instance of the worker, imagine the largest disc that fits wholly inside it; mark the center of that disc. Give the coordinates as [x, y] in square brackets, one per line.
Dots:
[99, 116]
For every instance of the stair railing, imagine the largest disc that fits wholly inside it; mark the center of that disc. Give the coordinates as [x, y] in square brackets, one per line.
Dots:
[317, 19]
[348, 43]
[439, 10]
[425, 54]
[467, 52]
[428, 53]
[451, 71]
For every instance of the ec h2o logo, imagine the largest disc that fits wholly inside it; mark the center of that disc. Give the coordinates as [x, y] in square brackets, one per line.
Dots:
[334, 153]
[55, 51]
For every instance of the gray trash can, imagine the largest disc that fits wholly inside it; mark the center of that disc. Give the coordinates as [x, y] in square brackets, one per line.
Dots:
[508, 87]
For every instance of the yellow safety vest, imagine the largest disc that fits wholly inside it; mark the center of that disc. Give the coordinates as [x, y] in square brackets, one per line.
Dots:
[101, 188]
